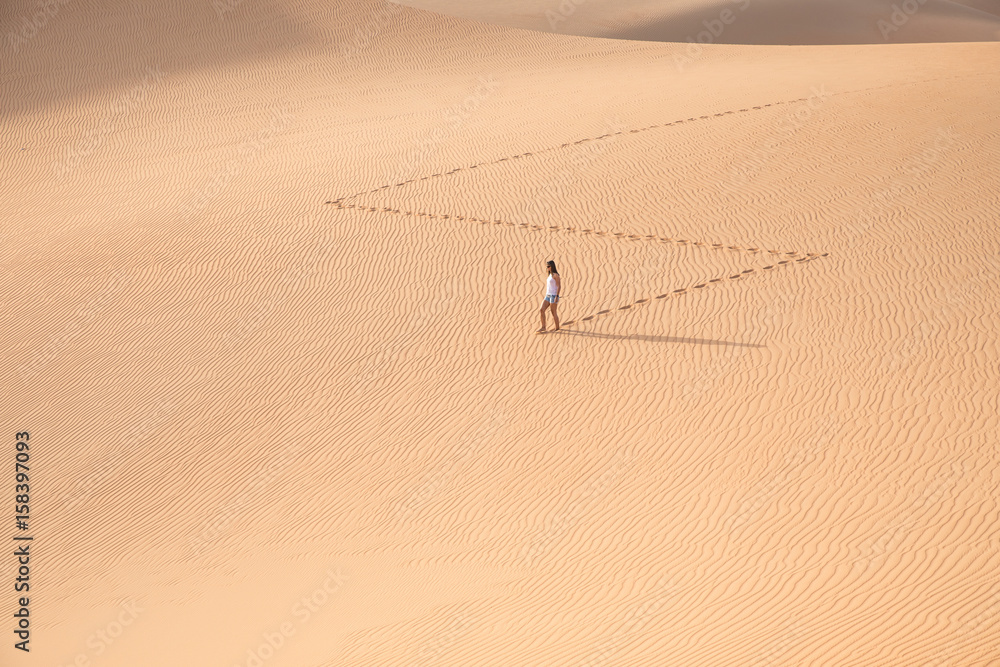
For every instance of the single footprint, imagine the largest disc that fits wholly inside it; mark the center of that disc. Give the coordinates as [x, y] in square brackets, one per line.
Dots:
[642, 300]
[588, 318]
[624, 307]
[662, 296]
[680, 291]
[736, 277]
[784, 261]
[701, 285]
[715, 280]
[748, 271]
[603, 312]
[769, 267]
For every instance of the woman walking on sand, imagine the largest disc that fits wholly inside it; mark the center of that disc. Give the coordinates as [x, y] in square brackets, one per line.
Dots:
[552, 288]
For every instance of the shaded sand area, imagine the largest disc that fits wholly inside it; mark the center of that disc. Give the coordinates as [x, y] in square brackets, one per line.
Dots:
[742, 21]
[270, 273]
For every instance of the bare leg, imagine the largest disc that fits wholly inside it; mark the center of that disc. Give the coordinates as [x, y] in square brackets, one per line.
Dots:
[545, 305]
[555, 315]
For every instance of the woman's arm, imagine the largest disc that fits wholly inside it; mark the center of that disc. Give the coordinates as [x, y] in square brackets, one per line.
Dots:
[559, 283]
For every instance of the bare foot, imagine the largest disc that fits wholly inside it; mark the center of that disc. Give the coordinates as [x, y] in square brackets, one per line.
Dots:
[540, 331]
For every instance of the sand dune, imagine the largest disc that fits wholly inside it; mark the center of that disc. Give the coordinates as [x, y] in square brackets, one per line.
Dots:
[742, 21]
[270, 276]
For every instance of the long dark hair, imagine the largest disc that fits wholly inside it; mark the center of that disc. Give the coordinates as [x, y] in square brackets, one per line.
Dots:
[552, 265]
